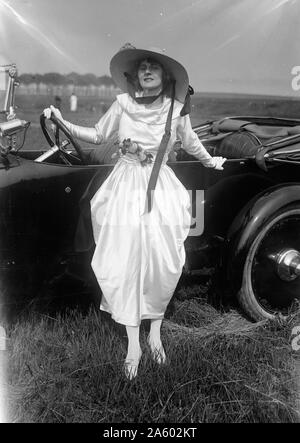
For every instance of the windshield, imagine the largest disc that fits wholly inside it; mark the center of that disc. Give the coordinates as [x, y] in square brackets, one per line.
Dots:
[4, 82]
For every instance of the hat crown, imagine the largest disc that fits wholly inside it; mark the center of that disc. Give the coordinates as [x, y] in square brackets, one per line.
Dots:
[151, 49]
[127, 46]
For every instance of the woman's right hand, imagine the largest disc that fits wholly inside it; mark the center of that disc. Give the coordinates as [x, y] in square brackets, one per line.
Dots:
[56, 112]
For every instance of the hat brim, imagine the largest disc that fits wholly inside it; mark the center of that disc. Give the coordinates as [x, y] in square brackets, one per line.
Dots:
[125, 60]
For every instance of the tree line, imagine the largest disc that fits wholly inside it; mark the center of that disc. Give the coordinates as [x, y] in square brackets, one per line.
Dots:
[73, 78]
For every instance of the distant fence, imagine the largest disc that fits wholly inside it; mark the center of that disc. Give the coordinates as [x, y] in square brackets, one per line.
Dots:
[105, 92]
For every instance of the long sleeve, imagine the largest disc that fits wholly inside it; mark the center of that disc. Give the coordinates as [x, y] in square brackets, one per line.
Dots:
[191, 143]
[106, 126]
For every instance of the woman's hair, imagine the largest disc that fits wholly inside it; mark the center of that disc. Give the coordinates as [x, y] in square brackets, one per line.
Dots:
[133, 81]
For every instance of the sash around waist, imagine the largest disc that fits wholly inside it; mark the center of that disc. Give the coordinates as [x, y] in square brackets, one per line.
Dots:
[134, 160]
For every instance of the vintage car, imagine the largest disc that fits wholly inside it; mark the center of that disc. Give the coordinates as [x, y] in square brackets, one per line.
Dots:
[246, 219]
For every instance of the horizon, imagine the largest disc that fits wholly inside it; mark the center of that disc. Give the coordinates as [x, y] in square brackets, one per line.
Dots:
[203, 92]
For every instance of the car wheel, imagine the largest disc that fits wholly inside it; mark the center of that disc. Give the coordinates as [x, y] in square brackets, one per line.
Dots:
[271, 275]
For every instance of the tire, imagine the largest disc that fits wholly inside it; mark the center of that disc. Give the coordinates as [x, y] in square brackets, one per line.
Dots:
[264, 293]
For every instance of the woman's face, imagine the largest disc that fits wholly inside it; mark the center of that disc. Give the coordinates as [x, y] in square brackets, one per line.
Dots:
[150, 75]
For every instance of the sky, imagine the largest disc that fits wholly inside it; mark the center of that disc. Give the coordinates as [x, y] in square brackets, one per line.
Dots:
[246, 46]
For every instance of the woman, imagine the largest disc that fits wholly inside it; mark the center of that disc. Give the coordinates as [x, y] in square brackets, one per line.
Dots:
[139, 251]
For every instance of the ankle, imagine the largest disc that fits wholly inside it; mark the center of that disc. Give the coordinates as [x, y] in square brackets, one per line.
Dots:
[157, 349]
[134, 353]
[154, 338]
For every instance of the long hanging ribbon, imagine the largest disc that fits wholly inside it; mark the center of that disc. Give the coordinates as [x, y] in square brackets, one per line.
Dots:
[160, 155]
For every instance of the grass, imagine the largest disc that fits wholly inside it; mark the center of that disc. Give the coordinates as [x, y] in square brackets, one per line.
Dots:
[67, 367]
[204, 107]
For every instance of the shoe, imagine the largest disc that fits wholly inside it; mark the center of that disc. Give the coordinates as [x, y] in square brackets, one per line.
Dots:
[131, 367]
[157, 352]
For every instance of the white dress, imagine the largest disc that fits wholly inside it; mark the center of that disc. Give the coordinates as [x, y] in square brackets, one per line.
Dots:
[139, 256]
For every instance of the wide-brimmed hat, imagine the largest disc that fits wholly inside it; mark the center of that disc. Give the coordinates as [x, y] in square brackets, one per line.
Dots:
[124, 63]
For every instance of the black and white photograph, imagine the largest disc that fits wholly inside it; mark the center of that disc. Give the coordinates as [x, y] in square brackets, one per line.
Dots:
[149, 214]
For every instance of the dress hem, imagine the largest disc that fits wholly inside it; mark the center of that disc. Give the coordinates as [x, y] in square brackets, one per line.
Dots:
[127, 322]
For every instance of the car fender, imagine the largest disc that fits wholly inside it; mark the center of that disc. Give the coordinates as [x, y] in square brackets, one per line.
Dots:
[248, 223]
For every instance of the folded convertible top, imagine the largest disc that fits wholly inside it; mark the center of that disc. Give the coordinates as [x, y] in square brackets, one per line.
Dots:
[261, 131]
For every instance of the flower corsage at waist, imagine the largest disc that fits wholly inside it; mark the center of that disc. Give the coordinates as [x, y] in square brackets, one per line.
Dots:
[127, 146]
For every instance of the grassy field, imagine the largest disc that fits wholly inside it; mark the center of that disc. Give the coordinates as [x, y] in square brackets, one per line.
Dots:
[66, 365]
[68, 368]
[204, 107]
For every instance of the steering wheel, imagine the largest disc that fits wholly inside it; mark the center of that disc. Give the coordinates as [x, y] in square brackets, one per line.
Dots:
[56, 146]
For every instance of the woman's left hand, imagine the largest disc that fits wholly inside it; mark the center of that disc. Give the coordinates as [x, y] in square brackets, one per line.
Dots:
[218, 162]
